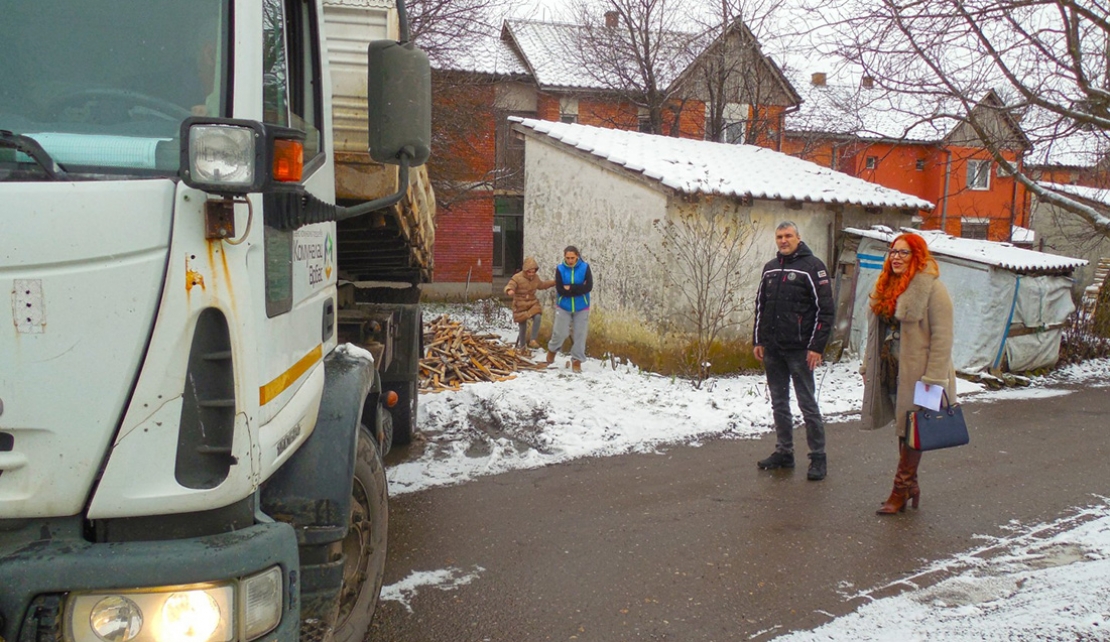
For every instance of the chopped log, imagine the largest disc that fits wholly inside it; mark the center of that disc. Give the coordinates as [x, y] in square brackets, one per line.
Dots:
[454, 356]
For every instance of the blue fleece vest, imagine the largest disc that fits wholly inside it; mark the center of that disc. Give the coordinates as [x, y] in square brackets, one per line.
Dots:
[571, 276]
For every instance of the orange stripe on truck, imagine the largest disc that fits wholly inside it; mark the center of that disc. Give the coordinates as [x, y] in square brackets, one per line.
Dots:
[270, 391]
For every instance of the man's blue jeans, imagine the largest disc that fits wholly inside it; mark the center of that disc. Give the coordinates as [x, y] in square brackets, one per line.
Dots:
[782, 367]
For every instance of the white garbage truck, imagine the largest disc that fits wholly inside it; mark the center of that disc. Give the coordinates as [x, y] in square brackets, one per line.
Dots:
[210, 327]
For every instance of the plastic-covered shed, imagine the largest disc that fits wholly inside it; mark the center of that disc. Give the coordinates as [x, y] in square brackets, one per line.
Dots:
[1010, 303]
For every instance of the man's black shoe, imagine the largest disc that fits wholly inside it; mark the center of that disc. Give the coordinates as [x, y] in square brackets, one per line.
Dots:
[818, 467]
[777, 460]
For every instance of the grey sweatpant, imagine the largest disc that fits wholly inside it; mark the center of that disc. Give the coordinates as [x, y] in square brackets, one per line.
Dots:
[522, 335]
[576, 323]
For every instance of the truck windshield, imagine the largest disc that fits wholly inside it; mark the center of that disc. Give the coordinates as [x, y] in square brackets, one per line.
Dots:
[103, 85]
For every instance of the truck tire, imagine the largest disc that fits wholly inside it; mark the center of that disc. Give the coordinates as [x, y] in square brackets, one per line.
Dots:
[365, 545]
[404, 413]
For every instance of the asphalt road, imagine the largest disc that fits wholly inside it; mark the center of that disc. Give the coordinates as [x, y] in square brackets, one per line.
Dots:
[698, 545]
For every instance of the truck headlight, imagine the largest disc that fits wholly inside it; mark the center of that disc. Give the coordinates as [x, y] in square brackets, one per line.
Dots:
[116, 619]
[231, 156]
[216, 612]
[222, 156]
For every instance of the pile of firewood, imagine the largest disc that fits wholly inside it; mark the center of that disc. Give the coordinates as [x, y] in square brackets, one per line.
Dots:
[454, 356]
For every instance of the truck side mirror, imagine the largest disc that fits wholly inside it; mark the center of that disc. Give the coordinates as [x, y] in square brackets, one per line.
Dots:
[399, 102]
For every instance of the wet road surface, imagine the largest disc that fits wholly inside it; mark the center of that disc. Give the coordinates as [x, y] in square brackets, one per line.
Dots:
[696, 544]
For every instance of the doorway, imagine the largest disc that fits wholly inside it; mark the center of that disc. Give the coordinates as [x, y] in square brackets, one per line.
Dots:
[508, 235]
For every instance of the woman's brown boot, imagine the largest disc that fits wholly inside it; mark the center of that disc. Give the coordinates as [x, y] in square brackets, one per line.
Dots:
[905, 483]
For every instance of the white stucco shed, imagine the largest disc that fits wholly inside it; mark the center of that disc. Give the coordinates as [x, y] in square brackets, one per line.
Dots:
[604, 190]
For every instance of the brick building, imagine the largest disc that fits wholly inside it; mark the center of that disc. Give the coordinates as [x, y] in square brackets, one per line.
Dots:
[906, 142]
[720, 87]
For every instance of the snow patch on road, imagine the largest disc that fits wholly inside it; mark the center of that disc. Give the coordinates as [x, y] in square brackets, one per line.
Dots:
[447, 579]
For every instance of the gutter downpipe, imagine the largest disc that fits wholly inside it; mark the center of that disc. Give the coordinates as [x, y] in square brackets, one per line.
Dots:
[944, 197]
[1020, 168]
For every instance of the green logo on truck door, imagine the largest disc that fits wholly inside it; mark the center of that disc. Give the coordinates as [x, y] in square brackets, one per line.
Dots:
[329, 257]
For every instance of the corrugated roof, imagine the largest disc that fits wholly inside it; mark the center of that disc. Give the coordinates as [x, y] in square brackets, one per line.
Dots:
[704, 167]
[1001, 255]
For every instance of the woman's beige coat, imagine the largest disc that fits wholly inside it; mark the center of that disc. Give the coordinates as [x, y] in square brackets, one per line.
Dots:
[525, 303]
[925, 353]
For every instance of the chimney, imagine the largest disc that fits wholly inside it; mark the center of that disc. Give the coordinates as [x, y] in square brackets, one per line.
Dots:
[867, 82]
[611, 19]
[818, 79]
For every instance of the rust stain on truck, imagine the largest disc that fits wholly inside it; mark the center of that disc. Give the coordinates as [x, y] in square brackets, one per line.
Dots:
[192, 277]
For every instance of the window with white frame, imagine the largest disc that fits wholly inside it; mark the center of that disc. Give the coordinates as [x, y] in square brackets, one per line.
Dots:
[872, 162]
[979, 174]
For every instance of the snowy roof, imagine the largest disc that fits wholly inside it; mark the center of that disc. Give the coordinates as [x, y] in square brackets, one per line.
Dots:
[877, 113]
[1060, 142]
[1020, 234]
[867, 113]
[1003, 255]
[698, 166]
[554, 53]
[490, 55]
[1078, 149]
[1094, 194]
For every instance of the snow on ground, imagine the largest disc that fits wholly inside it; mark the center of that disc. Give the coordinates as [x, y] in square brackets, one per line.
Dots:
[552, 416]
[1046, 582]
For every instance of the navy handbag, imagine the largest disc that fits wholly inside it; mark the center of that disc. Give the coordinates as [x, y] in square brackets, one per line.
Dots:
[936, 429]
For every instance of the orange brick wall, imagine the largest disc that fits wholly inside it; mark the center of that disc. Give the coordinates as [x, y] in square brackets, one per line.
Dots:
[1087, 177]
[691, 122]
[464, 118]
[997, 203]
[896, 168]
[464, 242]
[607, 114]
[466, 126]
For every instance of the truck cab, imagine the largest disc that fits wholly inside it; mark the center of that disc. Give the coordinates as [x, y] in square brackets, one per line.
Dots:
[187, 449]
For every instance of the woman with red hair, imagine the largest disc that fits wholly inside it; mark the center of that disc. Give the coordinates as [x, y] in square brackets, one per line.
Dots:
[909, 339]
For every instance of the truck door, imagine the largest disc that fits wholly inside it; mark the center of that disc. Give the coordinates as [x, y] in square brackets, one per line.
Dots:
[299, 264]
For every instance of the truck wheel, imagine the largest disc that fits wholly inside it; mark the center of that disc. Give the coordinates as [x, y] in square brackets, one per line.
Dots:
[364, 547]
[404, 414]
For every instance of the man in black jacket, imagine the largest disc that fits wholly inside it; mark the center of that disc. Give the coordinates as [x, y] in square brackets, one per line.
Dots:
[793, 318]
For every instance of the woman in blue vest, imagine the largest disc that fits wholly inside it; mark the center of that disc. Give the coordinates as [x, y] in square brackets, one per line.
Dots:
[573, 282]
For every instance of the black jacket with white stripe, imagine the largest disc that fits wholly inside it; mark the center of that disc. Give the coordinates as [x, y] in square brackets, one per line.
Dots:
[794, 307]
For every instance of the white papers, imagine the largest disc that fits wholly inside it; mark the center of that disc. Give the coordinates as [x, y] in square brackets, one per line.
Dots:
[927, 396]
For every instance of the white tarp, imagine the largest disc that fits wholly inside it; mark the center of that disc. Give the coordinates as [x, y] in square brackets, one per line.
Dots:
[989, 302]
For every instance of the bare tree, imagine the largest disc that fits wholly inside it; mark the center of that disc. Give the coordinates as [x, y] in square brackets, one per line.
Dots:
[636, 49]
[704, 258]
[460, 167]
[445, 29]
[734, 74]
[1048, 59]
[454, 33]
